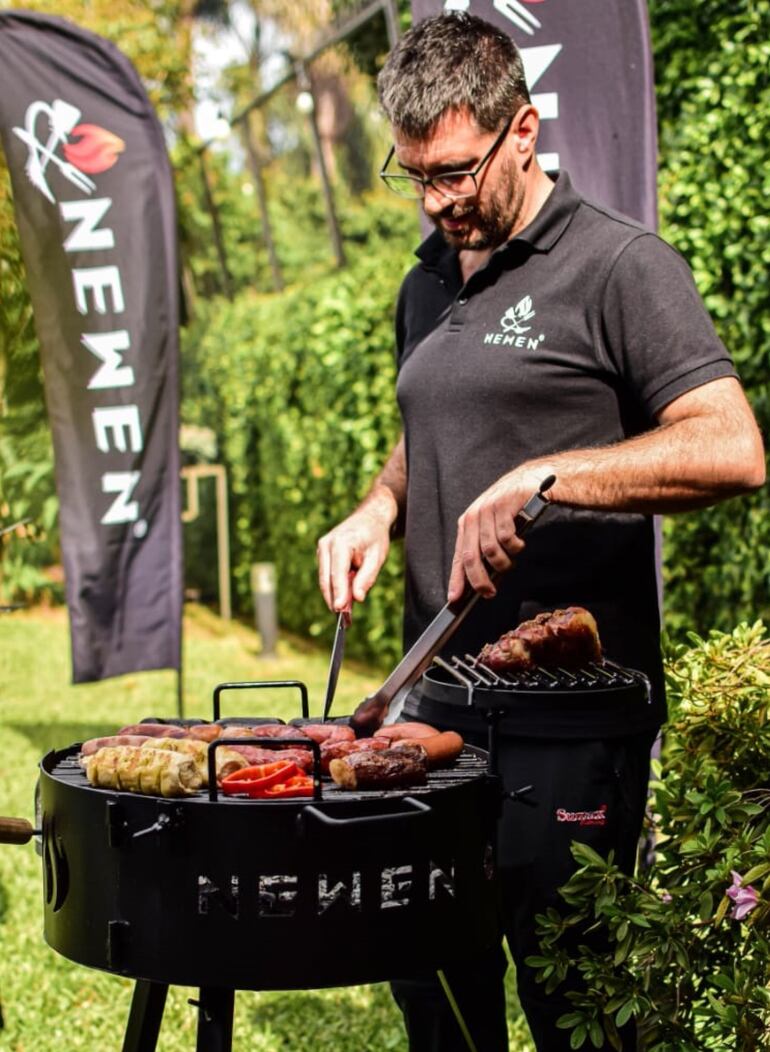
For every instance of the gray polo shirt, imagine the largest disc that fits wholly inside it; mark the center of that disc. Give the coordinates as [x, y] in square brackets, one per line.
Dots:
[575, 334]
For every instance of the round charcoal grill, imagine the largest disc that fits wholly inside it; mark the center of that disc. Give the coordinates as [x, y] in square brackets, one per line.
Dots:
[598, 701]
[226, 893]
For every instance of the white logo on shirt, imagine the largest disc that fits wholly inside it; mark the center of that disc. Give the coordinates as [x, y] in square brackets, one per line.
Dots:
[514, 316]
[514, 331]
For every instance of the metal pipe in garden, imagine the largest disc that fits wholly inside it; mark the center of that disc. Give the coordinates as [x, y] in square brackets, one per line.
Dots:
[192, 473]
[216, 225]
[259, 184]
[390, 11]
[305, 85]
[350, 25]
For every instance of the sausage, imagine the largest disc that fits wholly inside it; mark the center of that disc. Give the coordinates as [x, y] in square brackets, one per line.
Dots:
[396, 731]
[388, 769]
[328, 732]
[263, 730]
[94, 744]
[440, 749]
[204, 732]
[335, 750]
[155, 730]
[255, 755]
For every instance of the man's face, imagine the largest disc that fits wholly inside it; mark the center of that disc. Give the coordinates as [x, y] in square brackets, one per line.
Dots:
[458, 144]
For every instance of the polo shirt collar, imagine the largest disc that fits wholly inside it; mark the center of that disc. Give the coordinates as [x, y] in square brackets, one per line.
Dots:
[542, 233]
[553, 218]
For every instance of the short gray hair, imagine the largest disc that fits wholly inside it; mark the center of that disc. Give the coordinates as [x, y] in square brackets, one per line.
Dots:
[453, 61]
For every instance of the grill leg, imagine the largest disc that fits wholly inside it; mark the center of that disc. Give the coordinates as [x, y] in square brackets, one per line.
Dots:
[457, 1013]
[215, 1019]
[145, 1017]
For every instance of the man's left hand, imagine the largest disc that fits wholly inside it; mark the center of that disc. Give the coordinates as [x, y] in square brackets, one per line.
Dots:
[486, 535]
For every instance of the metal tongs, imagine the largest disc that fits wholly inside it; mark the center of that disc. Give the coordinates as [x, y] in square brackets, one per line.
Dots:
[389, 699]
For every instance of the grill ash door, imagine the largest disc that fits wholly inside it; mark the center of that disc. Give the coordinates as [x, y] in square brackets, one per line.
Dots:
[269, 895]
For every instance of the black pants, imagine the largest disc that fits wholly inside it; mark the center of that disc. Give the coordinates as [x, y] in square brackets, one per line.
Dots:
[591, 791]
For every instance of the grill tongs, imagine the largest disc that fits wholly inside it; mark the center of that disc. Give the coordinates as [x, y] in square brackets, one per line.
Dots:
[372, 712]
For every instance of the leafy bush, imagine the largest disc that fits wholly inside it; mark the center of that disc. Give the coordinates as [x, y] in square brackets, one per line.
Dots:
[690, 937]
[712, 72]
[26, 456]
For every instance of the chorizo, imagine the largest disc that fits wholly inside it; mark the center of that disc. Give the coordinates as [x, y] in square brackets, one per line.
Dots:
[396, 731]
[155, 730]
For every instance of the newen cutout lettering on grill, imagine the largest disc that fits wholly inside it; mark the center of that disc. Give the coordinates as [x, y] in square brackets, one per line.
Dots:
[278, 894]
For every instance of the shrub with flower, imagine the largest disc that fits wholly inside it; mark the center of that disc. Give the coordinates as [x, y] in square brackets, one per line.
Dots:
[690, 935]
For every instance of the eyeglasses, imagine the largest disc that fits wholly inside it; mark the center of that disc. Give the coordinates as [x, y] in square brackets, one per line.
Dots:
[448, 184]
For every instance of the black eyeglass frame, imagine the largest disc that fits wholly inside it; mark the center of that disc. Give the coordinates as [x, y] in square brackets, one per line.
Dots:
[425, 183]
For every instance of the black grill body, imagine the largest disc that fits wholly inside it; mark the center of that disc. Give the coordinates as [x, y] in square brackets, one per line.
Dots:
[295, 894]
[600, 701]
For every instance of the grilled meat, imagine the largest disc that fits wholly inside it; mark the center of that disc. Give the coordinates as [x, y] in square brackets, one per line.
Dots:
[335, 750]
[387, 769]
[328, 732]
[263, 730]
[255, 755]
[94, 744]
[396, 731]
[440, 750]
[155, 730]
[562, 638]
[204, 732]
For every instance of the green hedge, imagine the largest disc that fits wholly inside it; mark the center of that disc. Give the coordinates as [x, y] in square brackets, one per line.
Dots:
[299, 388]
[711, 67]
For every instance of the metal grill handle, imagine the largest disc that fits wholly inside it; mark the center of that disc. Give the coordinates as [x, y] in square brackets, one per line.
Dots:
[261, 685]
[17, 831]
[418, 810]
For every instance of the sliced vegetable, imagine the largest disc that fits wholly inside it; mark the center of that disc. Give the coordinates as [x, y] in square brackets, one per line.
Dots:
[252, 781]
[298, 785]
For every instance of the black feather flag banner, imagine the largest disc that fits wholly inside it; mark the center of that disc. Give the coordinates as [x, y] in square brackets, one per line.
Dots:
[95, 208]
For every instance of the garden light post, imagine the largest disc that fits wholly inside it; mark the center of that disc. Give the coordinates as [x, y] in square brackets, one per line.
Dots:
[263, 593]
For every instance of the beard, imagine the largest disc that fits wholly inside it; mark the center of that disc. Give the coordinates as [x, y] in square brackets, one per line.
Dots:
[488, 223]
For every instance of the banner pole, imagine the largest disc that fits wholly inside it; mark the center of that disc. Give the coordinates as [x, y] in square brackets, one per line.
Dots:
[179, 693]
[180, 666]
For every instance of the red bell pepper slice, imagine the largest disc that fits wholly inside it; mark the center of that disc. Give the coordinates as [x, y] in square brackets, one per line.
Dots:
[298, 785]
[252, 781]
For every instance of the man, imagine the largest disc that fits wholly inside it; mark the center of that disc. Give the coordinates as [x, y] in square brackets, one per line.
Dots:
[539, 335]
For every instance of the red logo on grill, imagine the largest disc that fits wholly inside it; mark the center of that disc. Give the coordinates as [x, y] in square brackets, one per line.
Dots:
[96, 149]
[583, 818]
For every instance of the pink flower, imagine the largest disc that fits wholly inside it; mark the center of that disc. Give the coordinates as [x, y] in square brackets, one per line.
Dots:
[745, 899]
[666, 897]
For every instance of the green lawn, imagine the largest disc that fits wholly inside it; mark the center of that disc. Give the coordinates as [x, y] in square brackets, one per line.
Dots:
[51, 1005]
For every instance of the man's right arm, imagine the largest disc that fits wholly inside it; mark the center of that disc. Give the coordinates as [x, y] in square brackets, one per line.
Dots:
[351, 555]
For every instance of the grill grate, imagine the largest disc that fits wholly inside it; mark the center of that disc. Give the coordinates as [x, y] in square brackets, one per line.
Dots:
[471, 764]
[473, 673]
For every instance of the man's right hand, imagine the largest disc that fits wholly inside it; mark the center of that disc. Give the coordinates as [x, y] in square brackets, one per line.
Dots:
[350, 556]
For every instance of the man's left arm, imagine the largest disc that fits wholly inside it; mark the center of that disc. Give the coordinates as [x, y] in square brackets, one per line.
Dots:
[706, 447]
